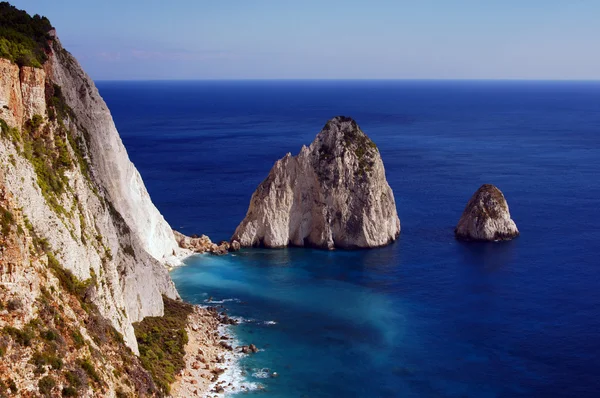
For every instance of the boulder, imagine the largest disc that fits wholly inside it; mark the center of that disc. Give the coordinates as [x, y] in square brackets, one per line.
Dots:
[486, 217]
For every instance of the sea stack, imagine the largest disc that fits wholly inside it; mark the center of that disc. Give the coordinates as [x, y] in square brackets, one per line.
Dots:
[333, 194]
[486, 217]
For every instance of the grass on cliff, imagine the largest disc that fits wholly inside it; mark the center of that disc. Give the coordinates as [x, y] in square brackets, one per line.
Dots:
[45, 144]
[162, 340]
[23, 39]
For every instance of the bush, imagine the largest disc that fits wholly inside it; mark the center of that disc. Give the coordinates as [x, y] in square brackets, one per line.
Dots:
[46, 384]
[76, 378]
[41, 359]
[21, 337]
[162, 341]
[89, 368]
[14, 304]
[69, 392]
[6, 220]
[23, 39]
[78, 339]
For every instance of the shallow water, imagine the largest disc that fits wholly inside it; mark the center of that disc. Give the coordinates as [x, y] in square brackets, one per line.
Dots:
[426, 316]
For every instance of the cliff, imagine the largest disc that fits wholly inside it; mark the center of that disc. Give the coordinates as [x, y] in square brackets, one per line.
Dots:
[486, 217]
[81, 237]
[333, 194]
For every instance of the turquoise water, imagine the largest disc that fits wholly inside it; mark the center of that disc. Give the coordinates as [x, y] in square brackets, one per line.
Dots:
[427, 316]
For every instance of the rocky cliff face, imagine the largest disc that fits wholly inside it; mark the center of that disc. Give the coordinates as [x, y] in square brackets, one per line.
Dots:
[486, 217]
[333, 194]
[66, 168]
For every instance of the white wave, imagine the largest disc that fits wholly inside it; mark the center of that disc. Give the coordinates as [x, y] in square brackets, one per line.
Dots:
[233, 379]
[262, 373]
[229, 300]
[269, 323]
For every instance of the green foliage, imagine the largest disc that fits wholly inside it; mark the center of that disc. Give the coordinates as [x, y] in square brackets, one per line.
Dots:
[47, 357]
[6, 221]
[50, 335]
[161, 341]
[78, 339]
[89, 368]
[46, 384]
[21, 337]
[10, 133]
[67, 280]
[23, 39]
[69, 392]
[75, 379]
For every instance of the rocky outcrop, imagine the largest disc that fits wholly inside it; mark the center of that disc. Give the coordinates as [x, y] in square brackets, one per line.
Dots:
[201, 244]
[333, 194]
[22, 93]
[486, 217]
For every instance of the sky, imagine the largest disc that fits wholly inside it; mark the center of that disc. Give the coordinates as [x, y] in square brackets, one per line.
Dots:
[329, 39]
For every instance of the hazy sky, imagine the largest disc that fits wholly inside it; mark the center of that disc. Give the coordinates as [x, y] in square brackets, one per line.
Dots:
[377, 39]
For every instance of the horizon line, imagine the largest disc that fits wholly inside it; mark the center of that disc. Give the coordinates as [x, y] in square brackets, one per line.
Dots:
[352, 79]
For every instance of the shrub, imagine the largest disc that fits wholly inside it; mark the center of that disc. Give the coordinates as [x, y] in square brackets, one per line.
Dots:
[21, 337]
[89, 368]
[78, 339]
[162, 341]
[69, 392]
[6, 220]
[23, 39]
[46, 384]
[76, 378]
[41, 359]
[14, 304]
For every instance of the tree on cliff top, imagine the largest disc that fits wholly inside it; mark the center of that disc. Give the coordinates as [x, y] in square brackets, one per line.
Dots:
[23, 39]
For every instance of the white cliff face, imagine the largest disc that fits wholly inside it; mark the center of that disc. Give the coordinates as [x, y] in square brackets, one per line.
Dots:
[333, 194]
[118, 176]
[103, 222]
[486, 217]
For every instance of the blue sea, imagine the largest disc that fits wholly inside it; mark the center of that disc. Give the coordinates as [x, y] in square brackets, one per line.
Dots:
[427, 316]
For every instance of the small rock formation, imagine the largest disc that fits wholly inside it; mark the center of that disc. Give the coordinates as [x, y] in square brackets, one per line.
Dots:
[201, 244]
[235, 246]
[333, 194]
[486, 217]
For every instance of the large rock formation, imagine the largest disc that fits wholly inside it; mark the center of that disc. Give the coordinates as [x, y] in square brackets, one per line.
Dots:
[486, 217]
[64, 164]
[332, 194]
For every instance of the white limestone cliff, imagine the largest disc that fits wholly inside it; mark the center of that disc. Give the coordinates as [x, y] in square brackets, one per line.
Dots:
[102, 224]
[333, 194]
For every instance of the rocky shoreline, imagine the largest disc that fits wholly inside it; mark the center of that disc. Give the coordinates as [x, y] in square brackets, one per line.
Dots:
[202, 244]
[211, 357]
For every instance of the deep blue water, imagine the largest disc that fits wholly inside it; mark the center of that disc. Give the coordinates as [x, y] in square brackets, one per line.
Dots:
[427, 316]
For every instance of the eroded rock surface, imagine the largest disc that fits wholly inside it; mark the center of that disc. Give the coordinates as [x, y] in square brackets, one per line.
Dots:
[486, 217]
[201, 244]
[333, 194]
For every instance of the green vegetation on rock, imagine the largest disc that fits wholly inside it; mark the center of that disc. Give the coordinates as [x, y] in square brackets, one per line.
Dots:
[23, 39]
[162, 340]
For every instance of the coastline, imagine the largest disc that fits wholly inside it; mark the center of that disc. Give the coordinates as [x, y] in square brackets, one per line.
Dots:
[212, 353]
[211, 357]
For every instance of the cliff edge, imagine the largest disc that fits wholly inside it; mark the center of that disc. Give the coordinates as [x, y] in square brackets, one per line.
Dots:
[66, 168]
[333, 194]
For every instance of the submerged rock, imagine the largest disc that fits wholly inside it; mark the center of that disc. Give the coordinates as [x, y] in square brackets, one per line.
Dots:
[333, 194]
[486, 217]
